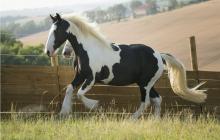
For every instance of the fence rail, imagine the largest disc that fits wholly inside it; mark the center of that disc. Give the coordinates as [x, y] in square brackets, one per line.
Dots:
[28, 86]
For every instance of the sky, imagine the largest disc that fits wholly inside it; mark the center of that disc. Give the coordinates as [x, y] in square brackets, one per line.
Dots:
[6, 5]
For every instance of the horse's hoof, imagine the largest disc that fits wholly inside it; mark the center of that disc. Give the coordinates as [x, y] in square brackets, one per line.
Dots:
[90, 103]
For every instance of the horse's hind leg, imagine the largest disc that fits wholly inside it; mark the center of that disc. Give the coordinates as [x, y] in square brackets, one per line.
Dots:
[156, 100]
[146, 84]
[145, 98]
[142, 107]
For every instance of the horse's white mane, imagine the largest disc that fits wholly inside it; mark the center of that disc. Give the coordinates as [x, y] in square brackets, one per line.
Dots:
[87, 28]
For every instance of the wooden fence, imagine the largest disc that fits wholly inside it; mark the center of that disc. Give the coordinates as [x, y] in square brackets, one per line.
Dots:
[22, 86]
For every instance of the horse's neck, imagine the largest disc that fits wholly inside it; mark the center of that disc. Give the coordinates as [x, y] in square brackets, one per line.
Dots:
[74, 43]
[88, 43]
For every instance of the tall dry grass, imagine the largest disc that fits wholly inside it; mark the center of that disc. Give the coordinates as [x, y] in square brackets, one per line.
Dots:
[110, 127]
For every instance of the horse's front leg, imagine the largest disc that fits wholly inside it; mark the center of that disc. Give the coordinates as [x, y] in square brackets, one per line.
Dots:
[67, 102]
[86, 86]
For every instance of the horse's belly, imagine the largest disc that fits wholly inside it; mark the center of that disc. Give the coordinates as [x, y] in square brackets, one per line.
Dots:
[124, 78]
[117, 77]
[121, 83]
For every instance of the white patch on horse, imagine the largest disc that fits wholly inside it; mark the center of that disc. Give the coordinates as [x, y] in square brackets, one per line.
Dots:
[68, 51]
[140, 110]
[111, 57]
[67, 103]
[50, 41]
[89, 103]
[114, 58]
[157, 104]
[94, 48]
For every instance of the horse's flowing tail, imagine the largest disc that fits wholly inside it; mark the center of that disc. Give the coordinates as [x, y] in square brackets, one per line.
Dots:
[177, 76]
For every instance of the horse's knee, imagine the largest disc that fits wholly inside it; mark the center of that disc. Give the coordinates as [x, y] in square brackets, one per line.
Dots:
[80, 93]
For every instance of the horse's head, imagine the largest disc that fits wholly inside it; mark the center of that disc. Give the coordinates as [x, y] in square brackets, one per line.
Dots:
[58, 34]
[68, 50]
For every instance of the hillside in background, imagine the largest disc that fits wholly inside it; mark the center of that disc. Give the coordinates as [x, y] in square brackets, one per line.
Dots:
[169, 32]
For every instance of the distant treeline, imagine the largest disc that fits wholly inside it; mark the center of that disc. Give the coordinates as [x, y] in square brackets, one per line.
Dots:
[117, 12]
[8, 19]
[24, 29]
[13, 52]
[136, 8]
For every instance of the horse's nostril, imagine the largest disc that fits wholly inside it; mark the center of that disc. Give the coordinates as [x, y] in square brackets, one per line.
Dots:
[65, 53]
[48, 53]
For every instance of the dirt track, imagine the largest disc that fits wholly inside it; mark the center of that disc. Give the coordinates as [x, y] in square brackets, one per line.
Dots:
[169, 32]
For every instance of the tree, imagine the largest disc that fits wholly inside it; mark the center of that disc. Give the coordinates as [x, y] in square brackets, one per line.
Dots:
[15, 53]
[100, 16]
[45, 24]
[152, 7]
[34, 55]
[32, 50]
[29, 27]
[134, 5]
[117, 12]
[7, 37]
[111, 15]
[91, 15]
[173, 4]
[120, 10]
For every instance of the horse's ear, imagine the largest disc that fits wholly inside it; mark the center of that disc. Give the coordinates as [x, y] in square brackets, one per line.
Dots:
[53, 18]
[58, 17]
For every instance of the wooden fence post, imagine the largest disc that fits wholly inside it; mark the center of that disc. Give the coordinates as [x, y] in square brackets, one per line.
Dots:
[54, 61]
[55, 64]
[194, 61]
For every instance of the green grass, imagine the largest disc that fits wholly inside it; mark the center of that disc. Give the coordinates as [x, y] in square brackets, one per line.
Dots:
[103, 127]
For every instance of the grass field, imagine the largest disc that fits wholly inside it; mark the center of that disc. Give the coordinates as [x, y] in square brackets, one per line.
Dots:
[104, 127]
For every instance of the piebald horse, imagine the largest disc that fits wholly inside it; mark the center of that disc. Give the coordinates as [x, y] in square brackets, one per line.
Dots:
[98, 60]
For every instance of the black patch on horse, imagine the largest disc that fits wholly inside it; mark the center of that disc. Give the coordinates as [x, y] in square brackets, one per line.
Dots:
[153, 93]
[103, 74]
[164, 62]
[137, 65]
[60, 33]
[85, 71]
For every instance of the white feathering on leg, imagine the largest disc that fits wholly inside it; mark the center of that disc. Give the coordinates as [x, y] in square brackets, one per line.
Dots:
[157, 104]
[140, 110]
[67, 102]
[89, 103]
